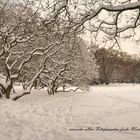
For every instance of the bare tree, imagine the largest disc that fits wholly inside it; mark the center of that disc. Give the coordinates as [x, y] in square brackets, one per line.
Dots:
[65, 67]
[22, 34]
[41, 30]
[107, 60]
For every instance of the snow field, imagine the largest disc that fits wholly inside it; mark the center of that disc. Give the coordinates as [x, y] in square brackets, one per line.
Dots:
[42, 117]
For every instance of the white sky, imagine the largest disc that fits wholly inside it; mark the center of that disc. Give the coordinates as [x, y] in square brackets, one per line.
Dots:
[131, 47]
[128, 45]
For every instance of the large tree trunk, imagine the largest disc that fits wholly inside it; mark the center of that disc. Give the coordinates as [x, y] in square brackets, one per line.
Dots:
[8, 91]
[9, 88]
[51, 88]
[2, 90]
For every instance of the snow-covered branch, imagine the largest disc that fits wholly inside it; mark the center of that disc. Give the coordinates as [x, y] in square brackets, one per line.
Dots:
[110, 8]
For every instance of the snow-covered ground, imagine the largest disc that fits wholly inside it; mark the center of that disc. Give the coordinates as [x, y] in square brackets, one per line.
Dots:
[73, 116]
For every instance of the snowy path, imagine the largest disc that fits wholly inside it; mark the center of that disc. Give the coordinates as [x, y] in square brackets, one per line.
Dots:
[42, 117]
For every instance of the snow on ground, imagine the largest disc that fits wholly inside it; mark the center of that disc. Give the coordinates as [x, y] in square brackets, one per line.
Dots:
[42, 117]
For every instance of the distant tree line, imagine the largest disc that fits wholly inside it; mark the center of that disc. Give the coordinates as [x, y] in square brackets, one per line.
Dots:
[117, 66]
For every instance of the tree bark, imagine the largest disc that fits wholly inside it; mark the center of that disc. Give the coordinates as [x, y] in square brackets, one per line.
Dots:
[51, 88]
[8, 91]
[17, 97]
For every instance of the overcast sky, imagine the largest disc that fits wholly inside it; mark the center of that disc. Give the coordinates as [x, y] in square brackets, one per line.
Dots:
[130, 45]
